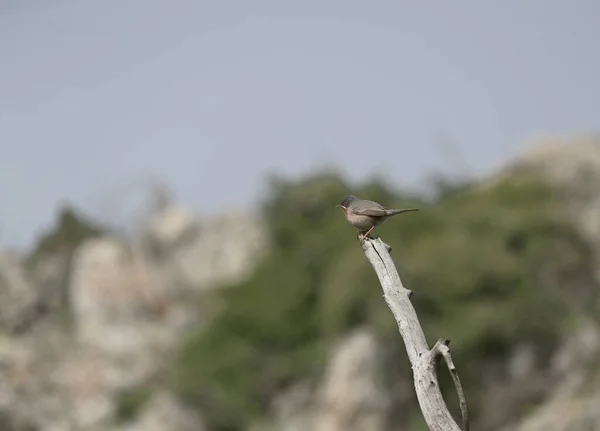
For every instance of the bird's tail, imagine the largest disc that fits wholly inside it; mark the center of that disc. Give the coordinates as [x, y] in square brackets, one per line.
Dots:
[394, 212]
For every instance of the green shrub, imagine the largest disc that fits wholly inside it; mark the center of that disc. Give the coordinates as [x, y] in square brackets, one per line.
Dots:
[71, 229]
[130, 402]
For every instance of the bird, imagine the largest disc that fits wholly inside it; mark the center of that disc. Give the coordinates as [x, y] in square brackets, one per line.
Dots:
[366, 215]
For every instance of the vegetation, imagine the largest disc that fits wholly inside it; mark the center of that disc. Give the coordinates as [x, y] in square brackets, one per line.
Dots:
[130, 402]
[475, 257]
[71, 230]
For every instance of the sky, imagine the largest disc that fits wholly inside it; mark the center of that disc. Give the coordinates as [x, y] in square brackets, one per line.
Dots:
[99, 97]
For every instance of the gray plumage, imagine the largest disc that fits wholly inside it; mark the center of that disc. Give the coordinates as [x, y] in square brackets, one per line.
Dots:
[366, 215]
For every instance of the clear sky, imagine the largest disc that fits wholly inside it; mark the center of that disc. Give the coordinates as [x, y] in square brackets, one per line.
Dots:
[95, 96]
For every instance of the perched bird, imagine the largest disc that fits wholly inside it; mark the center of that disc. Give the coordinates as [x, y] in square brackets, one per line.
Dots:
[366, 215]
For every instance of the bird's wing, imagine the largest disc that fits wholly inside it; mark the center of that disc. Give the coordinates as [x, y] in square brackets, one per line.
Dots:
[372, 209]
[373, 212]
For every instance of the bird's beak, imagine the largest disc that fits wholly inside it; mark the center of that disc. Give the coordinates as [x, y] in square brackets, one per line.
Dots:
[338, 206]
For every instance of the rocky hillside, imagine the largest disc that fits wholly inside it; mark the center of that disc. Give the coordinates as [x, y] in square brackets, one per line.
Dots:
[91, 320]
[234, 323]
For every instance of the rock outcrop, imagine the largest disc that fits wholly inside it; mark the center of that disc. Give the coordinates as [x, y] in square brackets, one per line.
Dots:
[572, 392]
[129, 309]
[164, 412]
[573, 401]
[573, 167]
[353, 394]
[18, 296]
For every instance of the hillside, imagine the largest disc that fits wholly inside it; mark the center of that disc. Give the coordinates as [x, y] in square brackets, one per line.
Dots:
[237, 323]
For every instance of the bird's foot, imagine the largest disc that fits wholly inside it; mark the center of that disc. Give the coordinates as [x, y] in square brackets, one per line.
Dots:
[364, 236]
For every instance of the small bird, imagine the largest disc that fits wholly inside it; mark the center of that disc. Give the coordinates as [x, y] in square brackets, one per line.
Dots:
[366, 215]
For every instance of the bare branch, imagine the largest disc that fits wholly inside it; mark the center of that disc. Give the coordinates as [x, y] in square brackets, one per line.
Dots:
[442, 350]
[423, 360]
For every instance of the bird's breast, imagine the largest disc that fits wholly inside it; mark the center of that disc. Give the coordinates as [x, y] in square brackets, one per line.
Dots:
[361, 222]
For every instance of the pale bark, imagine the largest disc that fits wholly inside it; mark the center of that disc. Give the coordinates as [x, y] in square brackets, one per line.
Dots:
[423, 360]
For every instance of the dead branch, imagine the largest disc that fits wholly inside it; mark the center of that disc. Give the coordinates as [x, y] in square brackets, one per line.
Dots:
[423, 360]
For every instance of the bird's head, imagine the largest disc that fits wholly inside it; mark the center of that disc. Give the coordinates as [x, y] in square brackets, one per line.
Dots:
[346, 202]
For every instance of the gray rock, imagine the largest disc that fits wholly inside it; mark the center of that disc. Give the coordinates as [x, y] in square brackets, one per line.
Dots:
[18, 297]
[353, 395]
[164, 412]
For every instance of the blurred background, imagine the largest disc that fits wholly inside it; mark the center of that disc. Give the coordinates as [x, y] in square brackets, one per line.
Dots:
[171, 258]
